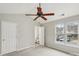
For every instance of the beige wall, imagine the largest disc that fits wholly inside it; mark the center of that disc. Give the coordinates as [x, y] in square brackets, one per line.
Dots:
[25, 29]
[50, 35]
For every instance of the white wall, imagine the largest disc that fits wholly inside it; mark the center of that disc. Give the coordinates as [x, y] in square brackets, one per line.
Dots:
[25, 29]
[50, 35]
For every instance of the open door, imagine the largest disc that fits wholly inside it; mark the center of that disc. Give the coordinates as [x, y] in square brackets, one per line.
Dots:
[39, 35]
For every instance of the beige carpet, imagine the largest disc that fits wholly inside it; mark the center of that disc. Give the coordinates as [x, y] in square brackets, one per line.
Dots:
[38, 51]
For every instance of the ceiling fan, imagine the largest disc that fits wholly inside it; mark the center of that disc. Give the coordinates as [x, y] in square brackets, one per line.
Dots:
[40, 13]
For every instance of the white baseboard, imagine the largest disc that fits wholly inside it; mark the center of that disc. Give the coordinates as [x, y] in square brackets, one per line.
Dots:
[25, 47]
[22, 48]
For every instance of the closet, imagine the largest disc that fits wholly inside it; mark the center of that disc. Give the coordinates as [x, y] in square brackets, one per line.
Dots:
[7, 37]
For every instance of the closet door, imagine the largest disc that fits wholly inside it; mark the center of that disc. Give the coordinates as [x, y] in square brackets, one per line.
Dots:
[8, 37]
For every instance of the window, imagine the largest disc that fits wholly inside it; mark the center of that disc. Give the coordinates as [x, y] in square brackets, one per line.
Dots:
[67, 33]
[60, 32]
[72, 32]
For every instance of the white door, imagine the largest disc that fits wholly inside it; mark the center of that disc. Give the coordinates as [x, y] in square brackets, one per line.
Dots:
[41, 35]
[8, 37]
[36, 33]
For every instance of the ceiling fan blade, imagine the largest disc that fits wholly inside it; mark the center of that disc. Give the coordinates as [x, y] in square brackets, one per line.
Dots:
[43, 18]
[48, 14]
[36, 18]
[31, 14]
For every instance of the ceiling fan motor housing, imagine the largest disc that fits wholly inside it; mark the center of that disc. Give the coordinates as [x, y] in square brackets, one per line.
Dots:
[39, 13]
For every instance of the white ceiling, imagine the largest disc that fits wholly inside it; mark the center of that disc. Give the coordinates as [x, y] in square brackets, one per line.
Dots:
[69, 9]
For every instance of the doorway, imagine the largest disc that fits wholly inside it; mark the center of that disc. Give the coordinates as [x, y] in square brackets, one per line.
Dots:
[39, 35]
